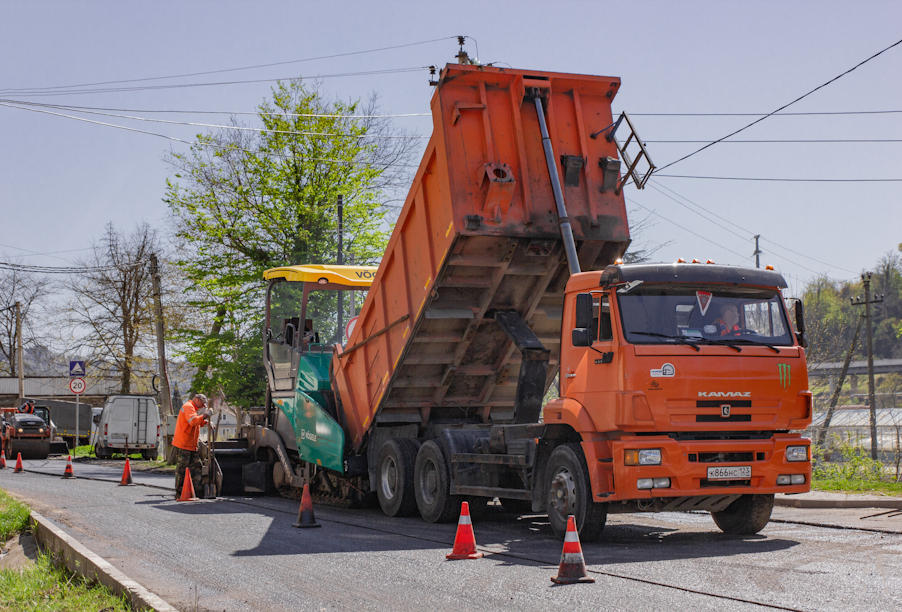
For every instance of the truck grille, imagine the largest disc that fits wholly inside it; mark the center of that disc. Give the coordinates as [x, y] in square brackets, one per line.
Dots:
[716, 418]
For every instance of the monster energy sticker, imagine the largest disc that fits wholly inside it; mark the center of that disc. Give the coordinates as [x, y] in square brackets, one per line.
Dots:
[785, 373]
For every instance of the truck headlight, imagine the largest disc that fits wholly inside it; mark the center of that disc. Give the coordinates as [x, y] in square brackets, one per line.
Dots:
[21, 430]
[797, 453]
[647, 456]
[41, 430]
[650, 456]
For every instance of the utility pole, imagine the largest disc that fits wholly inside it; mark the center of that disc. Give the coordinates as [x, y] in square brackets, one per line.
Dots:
[757, 252]
[165, 396]
[19, 359]
[872, 404]
[341, 301]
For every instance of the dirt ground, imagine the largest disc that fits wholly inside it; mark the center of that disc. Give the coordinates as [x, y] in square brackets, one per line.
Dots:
[19, 552]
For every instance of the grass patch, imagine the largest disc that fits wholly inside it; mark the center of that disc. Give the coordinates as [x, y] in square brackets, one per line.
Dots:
[83, 451]
[13, 516]
[856, 473]
[46, 587]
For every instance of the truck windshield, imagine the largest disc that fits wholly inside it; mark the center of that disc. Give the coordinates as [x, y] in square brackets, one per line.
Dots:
[666, 313]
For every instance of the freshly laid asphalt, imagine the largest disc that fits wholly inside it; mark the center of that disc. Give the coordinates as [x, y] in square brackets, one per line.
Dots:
[241, 553]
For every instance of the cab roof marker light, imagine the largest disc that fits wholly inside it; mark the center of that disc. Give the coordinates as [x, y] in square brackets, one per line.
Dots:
[618, 262]
[681, 260]
[710, 261]
[696, 261]
[768, 267]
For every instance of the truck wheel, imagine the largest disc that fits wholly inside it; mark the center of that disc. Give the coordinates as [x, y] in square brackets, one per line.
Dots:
[570, 492]
[431, 485]
[745, 516]
[149, 455]
[394, 474]
[99, 452]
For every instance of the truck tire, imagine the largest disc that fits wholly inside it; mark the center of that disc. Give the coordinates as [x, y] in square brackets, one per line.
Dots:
[100, 452]
[149, 455]
[432, 485]
[745, 516]
[570, 493]
[394, 476]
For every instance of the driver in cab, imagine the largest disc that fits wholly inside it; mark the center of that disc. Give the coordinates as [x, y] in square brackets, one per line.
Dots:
[728, 323]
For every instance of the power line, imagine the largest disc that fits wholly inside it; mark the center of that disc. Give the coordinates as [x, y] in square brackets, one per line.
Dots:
[51, 254]
[760, 119]
[5, 265]
[192, 74]
[815, 141]
[27, 93]
[196, 112]
[781, 180]
[712, 213]
[705, 238]
[700, 214]
[192, 142]
[763, 115]
[210, 125]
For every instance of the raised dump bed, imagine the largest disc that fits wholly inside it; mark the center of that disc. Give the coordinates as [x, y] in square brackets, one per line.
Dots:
[479, 234]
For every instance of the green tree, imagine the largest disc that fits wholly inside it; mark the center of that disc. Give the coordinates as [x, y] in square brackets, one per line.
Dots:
[244, 201]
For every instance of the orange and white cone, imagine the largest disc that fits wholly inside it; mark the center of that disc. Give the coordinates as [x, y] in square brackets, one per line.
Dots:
[19, 467]
[573, 566]
[465, 540]
[126, 475]
[2, 460]
[305, 512]
[187, 488]
[68, 473]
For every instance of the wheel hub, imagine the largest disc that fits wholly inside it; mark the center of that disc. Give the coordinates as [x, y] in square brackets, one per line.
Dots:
[563, 493]
[389, 478]
[429, 482]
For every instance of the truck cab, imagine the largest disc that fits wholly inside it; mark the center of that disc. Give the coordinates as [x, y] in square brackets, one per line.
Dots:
[685, 384]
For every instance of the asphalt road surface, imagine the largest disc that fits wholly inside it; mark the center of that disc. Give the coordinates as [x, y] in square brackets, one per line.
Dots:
[241, 553]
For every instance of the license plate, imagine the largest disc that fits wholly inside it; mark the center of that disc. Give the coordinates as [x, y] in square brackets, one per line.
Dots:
[739, 472]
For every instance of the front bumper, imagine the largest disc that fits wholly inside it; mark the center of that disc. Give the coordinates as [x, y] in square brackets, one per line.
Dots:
[686, 464]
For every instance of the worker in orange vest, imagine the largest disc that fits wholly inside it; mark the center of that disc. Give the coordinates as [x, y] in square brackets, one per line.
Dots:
[193, 415]
[27, 407]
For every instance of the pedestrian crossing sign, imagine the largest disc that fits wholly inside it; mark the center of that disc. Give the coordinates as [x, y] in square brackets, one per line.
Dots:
[77, 368]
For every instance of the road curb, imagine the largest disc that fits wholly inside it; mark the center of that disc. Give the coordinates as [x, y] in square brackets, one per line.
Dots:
[93, 567]
[789, 502]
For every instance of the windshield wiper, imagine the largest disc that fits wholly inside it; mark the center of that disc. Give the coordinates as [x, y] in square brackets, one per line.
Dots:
[730, 343]
[756, 343]
[677, 338]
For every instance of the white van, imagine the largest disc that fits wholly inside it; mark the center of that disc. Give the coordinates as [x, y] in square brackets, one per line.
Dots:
[127, 422]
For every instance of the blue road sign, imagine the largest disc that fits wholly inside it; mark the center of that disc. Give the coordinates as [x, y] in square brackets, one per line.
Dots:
[77, 368]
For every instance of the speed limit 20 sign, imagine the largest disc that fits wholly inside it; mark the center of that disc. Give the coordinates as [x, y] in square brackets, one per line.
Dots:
[77, 386]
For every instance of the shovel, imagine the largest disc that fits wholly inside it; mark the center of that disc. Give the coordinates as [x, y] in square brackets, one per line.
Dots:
[210, 480]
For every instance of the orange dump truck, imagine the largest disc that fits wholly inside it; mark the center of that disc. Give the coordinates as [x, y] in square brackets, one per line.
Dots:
[680, 385]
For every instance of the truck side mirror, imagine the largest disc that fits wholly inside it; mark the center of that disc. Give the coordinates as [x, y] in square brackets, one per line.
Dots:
[96, 419]
[801, 335]
[583, 310]
[580, 337]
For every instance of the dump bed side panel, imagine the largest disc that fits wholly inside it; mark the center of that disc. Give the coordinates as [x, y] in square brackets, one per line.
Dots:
[479, 233]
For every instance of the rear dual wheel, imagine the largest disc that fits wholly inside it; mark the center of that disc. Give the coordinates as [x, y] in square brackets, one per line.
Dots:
[432, 485]
[395, 477]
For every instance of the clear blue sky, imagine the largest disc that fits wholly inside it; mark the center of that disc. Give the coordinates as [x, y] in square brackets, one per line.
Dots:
[61, 180]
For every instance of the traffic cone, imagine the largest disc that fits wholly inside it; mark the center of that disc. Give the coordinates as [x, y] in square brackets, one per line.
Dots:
[573, 566]
[19, 467]
[126, 475]
[188, 488]
[305, 512]
[2, 460]
[465, 540]
[68, 473]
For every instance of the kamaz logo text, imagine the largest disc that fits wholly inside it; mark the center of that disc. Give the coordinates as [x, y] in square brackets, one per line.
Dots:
[725, 394]
[785, 375]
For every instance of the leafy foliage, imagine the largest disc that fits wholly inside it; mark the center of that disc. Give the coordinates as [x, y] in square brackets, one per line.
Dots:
[244, 202]
[13, 516]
